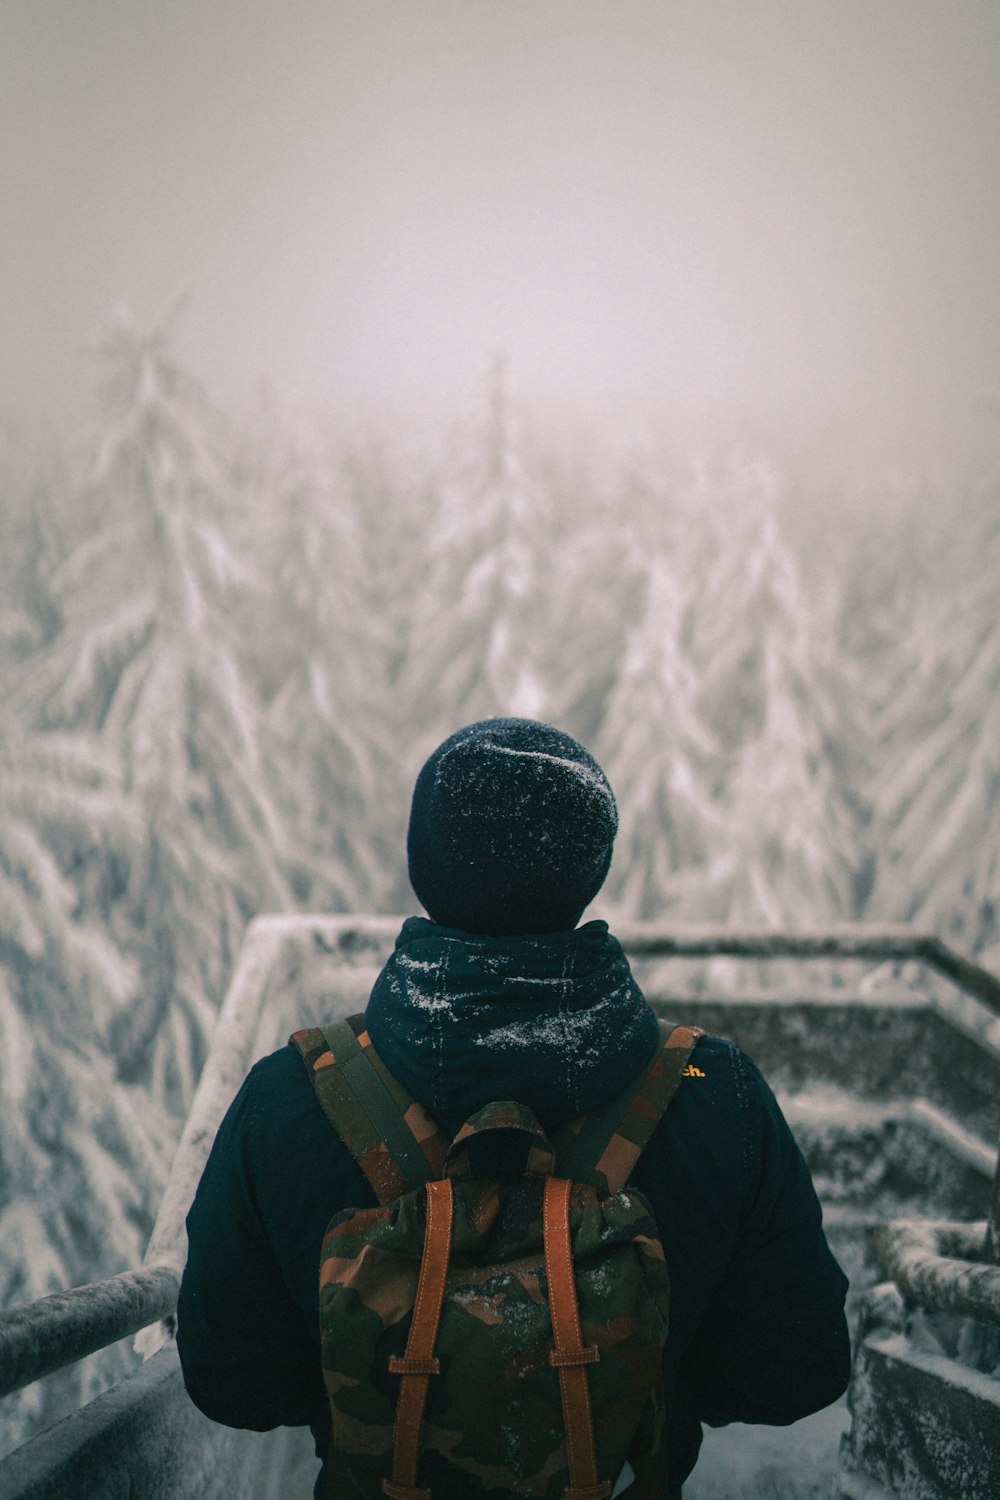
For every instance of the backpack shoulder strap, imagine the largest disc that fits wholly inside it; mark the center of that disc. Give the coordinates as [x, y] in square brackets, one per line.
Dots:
[394, 1140]
[603, 1148]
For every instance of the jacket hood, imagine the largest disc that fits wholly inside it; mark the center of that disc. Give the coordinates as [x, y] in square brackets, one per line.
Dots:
[554, 1020]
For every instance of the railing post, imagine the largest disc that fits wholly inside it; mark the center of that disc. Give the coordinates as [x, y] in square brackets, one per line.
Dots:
[992, 1248]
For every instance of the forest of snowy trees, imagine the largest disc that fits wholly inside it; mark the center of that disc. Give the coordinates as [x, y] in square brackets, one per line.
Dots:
[226, 647]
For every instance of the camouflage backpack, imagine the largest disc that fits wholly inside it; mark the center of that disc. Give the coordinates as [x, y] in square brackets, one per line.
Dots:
[495, 1327]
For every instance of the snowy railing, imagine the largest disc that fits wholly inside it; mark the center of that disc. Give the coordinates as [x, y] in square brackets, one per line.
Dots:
[942, 1265]
[847, 944]
[45, 1336]
[925, 1394]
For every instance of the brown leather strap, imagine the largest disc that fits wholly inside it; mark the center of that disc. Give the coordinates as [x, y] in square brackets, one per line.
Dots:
[569, 1356]
[419, 1364]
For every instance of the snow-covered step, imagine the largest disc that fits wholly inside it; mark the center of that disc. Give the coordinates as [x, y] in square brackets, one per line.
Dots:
[924, 1419]
[872, 1162]
[939, 1048]
[890, 1157]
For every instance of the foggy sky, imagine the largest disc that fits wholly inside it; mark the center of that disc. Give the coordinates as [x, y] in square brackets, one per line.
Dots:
[778, 218]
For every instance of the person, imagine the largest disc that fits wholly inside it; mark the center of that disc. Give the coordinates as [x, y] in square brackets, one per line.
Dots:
[498, 993]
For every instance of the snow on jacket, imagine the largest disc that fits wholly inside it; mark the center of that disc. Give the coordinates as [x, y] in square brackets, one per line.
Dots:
[757, 1327]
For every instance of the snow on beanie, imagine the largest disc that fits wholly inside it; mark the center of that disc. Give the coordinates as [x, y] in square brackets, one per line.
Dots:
[511, 829]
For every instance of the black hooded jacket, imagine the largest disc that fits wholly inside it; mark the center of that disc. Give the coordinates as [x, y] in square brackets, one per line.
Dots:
[757, 1327]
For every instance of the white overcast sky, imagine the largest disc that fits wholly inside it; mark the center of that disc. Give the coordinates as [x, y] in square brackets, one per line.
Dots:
[782, 214]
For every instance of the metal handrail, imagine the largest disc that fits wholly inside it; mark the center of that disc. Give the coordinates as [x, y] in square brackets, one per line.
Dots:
[41, 1337]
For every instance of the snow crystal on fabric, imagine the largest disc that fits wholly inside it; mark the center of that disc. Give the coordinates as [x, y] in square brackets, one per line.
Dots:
[511, 829]
[594, 780]
[556, 1021]
[504, 805]
[587, 1032]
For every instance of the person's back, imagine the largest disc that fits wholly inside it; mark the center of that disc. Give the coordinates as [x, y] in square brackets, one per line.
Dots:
[499, 995]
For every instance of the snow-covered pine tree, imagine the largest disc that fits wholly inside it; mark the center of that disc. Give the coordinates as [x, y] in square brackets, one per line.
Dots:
[66, 833]
[29, 552]
[323, 645]
[595, 579]
[393, 499]
[83, 1156]
[654, 743]
[772, 693]
[890, 571]
[147, 659]
[938, 786]
[657, 752]
[479, 630]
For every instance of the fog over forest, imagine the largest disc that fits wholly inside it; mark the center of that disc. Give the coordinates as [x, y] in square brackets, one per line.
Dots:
[780, 221]
[632, 368]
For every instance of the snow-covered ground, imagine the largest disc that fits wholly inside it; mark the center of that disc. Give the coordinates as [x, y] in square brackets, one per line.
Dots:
[770, 1463]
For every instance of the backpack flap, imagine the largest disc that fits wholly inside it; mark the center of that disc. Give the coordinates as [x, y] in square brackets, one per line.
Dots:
[503, 1139]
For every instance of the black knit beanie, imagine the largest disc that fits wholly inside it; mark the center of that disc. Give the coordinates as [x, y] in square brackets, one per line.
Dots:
[511, 829]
